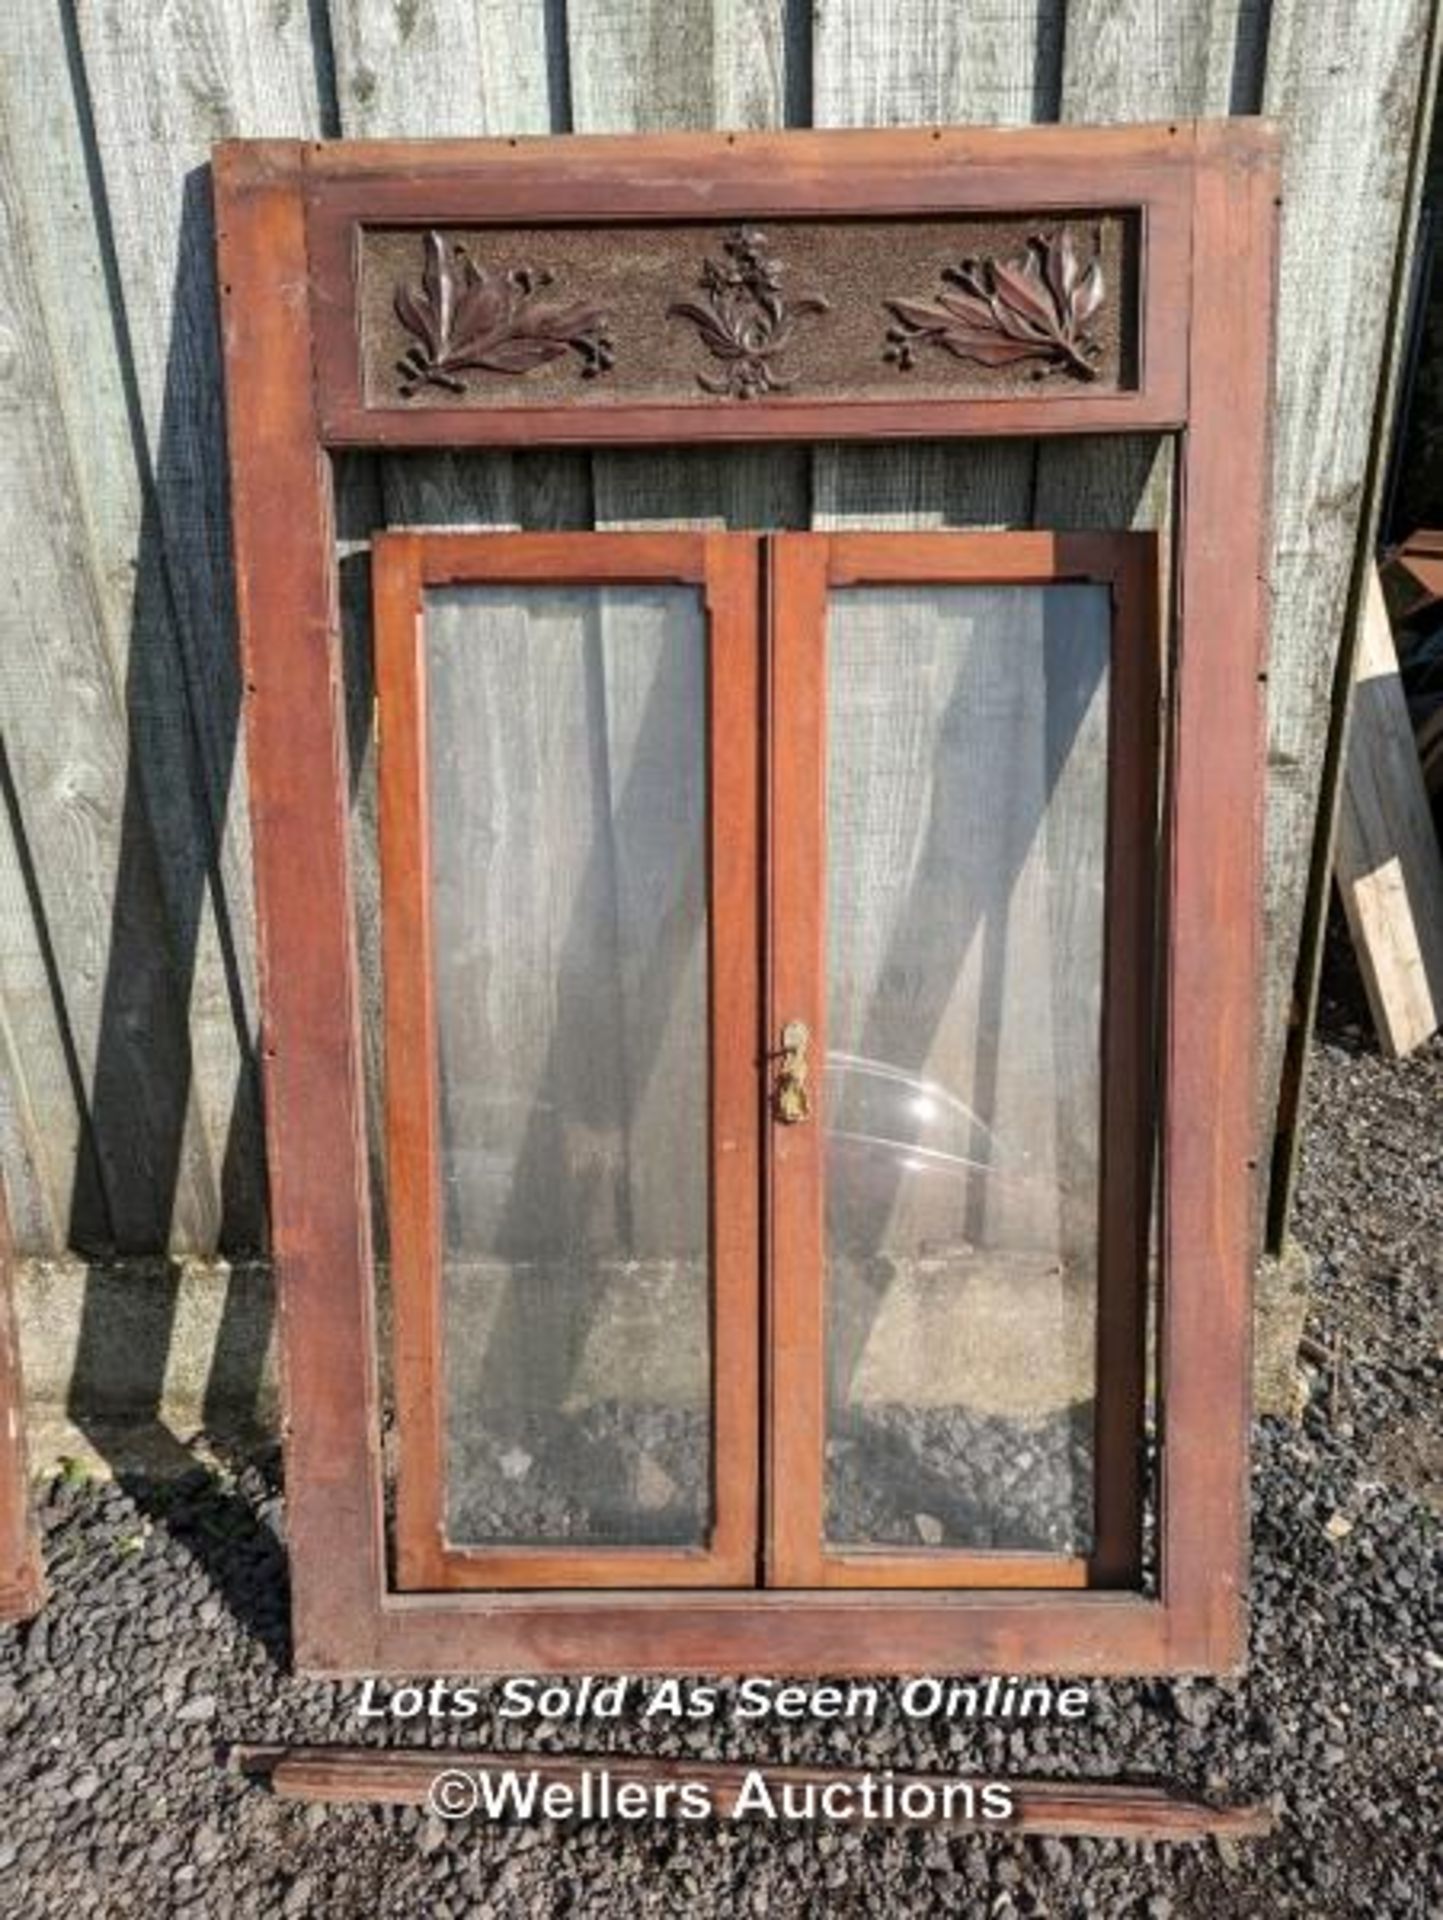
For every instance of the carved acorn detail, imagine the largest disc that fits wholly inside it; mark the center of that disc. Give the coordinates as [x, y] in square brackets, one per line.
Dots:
[465, 317]
[1007, 312]
[745, 322]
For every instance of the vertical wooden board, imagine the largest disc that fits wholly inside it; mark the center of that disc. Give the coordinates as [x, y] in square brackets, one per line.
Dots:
[164, 85]
[119, 623]
[461, 68]
[1131, 60]
[644, 66]
[447, 69]
[1386, 861]
[42, 1133]
[458, 68]
[653, 679]
[1212, 933]
[911, 62]
[570, 985]
[981, 63]
[966, 820]
[91, 893]
[1285, 1119]
[971, 64]
[1346, 83]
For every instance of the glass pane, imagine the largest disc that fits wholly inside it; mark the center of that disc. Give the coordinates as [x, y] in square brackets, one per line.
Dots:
[567, 774]
[966, 831]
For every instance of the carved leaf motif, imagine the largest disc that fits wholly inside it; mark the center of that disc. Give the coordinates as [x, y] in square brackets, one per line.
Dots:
[999, 313]
[987, 350]
[465, 316]
[520, 355]
[414, 317]
[479, 310]
[1088, 295]
[967, 307]
[745, 322]
[1024, 300]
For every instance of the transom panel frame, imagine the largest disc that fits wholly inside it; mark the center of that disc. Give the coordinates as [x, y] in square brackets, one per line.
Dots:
[1196, 205]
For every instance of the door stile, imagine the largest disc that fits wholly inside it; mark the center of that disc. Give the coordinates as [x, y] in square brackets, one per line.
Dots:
[734, 700]
[412, 1104]
[797, 572]
[1129, 1014]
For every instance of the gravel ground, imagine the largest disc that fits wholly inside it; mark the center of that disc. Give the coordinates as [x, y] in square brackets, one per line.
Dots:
[165, 1637]
[946, 1477]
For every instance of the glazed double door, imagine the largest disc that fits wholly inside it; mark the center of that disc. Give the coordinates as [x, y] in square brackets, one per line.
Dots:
[767, 934]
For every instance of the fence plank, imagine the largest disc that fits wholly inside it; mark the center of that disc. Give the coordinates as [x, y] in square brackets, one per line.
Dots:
[163, 85]
[396, 75]
[43, 1145]
[91, 891]
[126, 1003]
[643, 66]
[911, 63]
[1130, 60]
[1346, 83]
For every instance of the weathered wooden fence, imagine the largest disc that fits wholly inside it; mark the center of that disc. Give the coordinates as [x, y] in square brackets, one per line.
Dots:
[129, 1116]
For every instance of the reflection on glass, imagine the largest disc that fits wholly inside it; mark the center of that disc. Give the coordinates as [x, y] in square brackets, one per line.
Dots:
[567, 791]
[966, 833]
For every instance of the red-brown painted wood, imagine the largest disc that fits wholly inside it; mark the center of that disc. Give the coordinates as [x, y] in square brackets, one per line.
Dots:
[1101, 1809]
[725, 570]
[1209, 199]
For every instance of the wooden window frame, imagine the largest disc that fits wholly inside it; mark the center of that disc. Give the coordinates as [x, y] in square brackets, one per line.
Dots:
[724, 570]
[1206, 197]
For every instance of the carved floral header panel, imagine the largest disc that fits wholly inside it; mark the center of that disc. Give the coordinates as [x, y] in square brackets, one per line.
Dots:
[731, 313]
[724, 317]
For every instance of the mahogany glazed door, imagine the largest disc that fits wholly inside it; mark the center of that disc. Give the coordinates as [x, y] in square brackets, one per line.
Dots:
[962, 814]
[569, 843]
[767, 1215]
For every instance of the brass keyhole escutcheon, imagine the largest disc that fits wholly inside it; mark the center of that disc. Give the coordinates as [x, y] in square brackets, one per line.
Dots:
[793, 1103]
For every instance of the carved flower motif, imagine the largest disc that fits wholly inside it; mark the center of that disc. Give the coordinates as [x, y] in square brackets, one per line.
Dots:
[745, 322]
[464, 316]
[1004, 313]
